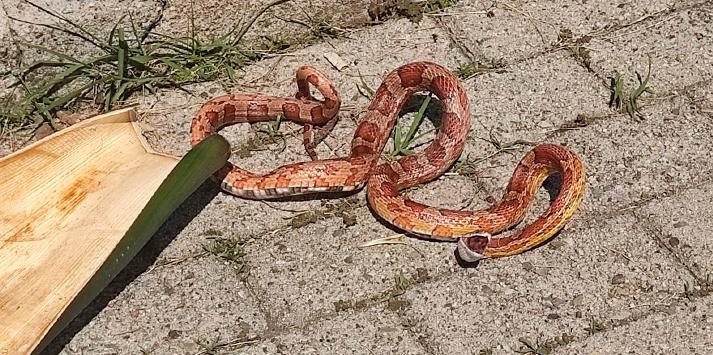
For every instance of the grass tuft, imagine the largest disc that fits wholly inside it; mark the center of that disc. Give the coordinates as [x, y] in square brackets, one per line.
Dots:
[127, 61]
[596, 326]
[628, 102]
[543, 348]
[404, 141]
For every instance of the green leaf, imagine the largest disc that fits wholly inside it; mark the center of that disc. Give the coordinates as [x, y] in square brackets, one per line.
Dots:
[137, 38]
[397, 139]
[230, 71]
[62, 100]
[140, 59]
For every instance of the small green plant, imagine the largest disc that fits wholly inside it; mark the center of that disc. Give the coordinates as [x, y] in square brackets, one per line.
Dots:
[618, 97]
[575, 46]
[595, 326]
[467, 166]
[544, 347]
[530, 347]
[229, 249]
[272, 130]
[364, 89]
[506, 146]
[468, 70]
[402, 283]
[403, 142]
[343, 209]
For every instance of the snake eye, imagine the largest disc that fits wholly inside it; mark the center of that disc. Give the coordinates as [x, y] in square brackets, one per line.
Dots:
[472, 246]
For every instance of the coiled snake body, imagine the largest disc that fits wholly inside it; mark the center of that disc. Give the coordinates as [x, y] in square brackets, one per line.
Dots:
[473, 229]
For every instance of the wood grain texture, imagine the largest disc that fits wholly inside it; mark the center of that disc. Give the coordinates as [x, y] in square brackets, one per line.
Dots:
[64, 207]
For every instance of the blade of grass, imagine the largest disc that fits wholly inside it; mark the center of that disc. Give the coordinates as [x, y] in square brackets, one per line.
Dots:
[643, 85]
[137, 39]
[418, 119]
[402, 144]
[64, 99]
[67, 76]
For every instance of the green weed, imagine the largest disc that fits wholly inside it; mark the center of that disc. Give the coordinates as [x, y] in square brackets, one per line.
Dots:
[127, 61]
[596, 326]
[229, 249]
[543, 348]
[468, 70]
[618, 97]
[530, 347]
[404, 142]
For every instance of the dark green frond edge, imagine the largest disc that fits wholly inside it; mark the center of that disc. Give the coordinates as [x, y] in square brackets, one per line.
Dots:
[185, 178]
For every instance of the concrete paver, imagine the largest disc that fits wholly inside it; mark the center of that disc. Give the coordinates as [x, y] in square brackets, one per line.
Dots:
[595, 271]
[683, 223]
[187, 306]
[629, 273]
[679, 329]
[370, 332]
[630, 161]
[678, 44]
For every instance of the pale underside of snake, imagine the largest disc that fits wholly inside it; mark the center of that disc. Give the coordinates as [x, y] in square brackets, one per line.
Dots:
[474, 230]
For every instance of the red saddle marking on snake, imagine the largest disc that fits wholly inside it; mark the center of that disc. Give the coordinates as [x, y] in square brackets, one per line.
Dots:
[472, 229]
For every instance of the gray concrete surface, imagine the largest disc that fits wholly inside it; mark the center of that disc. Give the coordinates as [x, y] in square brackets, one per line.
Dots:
[632, 273]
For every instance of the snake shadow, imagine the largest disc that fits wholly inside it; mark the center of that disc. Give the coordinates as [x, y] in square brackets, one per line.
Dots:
[178, 220]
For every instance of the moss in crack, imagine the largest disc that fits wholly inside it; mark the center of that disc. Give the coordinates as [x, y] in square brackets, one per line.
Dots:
[468, 70]
[527, 346]
[343, 209]
[410, 9]
[401, 285]
[576, 47]
[229, 249]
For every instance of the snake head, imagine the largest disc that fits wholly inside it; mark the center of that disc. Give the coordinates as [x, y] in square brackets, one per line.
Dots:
[472, 246]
